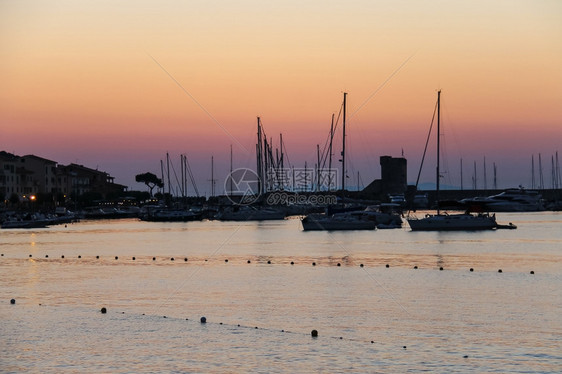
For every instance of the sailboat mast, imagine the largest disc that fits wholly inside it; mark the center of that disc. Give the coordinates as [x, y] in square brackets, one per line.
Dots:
[231, 169]
[259, 158]
[438, 145]
[343, 149]
[168, 173]
[330, 160]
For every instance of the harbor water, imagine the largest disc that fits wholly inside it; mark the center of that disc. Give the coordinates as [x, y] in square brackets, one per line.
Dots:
[383, 301]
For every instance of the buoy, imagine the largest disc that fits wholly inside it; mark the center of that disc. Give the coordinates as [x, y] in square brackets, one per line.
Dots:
[441, 268]
[339, 264]
[465, 356]
[471, 269]
[134, 258]
[314, 333]
[153, 258]
[341, 337]
[98, 257]
[256, 327]
[269, 261]
[203, 320]
[249, 261]
[292, 263]
[46, 256]
[415, 267]
[499, 270]
[361, 265]
[79, 256]
[226, 260]
[220, 323]
[172, 259]
[163, 316]
[387, 265]
[185, 259]
[62, 256]
[404, 347]
[117, 258]
[13, 301]
[29, 255]
[532, 272]
[314, 264]
[103, 310]
[372, 342]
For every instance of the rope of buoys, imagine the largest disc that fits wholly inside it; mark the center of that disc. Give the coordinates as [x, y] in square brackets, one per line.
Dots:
[314, 263]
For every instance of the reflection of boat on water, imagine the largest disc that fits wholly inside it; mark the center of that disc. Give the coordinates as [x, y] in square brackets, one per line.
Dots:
[355, 220]
[449, 222]
[250, 213]
[510, 200]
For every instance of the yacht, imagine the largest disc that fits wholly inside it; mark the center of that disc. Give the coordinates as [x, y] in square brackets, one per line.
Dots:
[510, 200]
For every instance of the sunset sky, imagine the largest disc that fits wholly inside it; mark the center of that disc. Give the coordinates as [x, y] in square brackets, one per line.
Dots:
[115, 85]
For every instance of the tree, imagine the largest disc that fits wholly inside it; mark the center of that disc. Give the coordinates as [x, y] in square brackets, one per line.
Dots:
[150, 180]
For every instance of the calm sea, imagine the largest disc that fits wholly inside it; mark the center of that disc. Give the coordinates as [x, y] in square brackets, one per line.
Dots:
[264, 286]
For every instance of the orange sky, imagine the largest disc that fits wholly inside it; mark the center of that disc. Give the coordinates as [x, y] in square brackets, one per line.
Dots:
[79, 81]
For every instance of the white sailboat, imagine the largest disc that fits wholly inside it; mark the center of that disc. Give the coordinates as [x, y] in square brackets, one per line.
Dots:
[347, 220]
[449, 222]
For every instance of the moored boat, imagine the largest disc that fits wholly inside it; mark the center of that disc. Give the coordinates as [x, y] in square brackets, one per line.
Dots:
[450, 222]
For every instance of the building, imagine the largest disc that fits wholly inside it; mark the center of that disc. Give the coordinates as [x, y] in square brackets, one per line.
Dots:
[78, 179]
[31, 175]
[394, 174]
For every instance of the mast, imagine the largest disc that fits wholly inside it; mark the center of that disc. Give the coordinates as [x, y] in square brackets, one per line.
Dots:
[541, 181]
[281, 164]
[461, 176]
[330, 150]
[162, 173]
[343, 149]
[212, 177]
[485, 178]
[259, 158]
[438, 145]
[318, 167]
[533, 171]
[231, 169]
[168, 172]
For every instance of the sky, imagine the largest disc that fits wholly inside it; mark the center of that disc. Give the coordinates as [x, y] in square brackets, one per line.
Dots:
[118, 85]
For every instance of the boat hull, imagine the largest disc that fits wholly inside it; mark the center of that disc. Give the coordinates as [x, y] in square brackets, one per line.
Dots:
[456, 222]
[336, 223]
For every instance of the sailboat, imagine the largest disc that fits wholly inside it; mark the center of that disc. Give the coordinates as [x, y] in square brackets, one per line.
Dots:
[449, 222]
[346, 220]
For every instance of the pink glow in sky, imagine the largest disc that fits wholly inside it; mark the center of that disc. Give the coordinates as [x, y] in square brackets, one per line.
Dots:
[89, 82]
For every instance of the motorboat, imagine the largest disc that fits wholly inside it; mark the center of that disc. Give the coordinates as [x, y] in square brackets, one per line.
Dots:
[510, 200]
[453, 222]
[355, 220]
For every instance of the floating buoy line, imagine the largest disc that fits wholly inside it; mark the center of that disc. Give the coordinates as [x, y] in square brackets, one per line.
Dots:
[260, 261]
